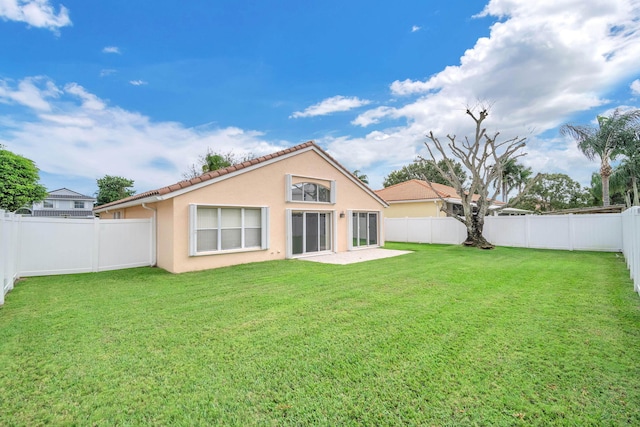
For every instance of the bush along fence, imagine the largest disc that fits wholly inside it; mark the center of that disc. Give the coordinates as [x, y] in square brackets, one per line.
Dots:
[39, 246]
[603, 232]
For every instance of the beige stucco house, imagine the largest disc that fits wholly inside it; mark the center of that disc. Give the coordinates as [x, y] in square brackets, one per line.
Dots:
[293, 203]
[418, 199]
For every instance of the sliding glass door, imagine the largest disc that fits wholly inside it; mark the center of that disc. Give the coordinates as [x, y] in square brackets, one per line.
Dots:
[364, 229]
[310, 232]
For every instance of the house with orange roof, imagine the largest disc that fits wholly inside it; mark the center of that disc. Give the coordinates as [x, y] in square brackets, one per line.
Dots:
[418, 199]
[294, 203]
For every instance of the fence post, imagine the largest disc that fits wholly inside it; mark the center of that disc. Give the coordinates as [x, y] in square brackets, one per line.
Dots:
[571, 231]
[95, 247]
[4, 247]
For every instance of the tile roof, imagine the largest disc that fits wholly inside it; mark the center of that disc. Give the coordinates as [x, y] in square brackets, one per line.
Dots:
[225, 171]
[416, 189]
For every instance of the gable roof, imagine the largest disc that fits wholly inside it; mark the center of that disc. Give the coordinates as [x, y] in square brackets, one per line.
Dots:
[65, 193]
[418, 190]
[228, 172]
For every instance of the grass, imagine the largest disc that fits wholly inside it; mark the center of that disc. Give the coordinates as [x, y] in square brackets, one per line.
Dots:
[444, 336]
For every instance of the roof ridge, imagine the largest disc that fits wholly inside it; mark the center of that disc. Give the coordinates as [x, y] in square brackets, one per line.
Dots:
[211, 175]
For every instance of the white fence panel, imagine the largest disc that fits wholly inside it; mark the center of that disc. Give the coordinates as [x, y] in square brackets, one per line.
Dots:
[397, 230]
[631, 243]
[564, 232]
[448, 231]
[601, 232]
[56, 246]
[424, 230]
[9, 229]
[507, 230]
[64, 246]
[125, 244]
[550, 232]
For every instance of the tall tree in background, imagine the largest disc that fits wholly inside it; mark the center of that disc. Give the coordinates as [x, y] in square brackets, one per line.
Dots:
[627, 172]
[112, 188]
[362, 177]
[19, 181]
[479, 155]
[604, 142]
[425, 170]
[512, 175]
[553, 192]
[212, 161]
[616, 190]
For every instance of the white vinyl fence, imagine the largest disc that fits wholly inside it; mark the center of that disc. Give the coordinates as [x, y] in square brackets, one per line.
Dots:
[631, 243]
[567, 232]
[37, 246]
[603, 232]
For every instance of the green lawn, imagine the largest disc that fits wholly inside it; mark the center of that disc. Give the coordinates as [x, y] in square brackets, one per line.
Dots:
[443, 336]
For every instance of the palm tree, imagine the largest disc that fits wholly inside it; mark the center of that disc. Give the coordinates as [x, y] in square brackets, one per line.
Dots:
[362, 177]
[604, 142]
[512, 175]
[628, 171]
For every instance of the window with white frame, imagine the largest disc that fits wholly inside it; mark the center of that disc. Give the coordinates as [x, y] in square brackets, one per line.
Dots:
[310, 192]
[78, 204]
[216, 229]
[47, 204]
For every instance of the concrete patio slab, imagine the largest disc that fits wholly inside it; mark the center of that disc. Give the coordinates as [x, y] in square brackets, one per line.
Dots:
[351, 257]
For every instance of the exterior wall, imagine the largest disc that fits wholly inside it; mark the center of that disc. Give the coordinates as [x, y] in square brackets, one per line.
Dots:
[262, 187]
[414, 209]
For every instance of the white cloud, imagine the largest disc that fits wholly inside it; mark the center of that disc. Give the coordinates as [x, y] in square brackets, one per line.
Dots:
[36, 13]
[408, 87]
[137, 82]
[331, 105]
[415, 28]
[71, 132]
[111, 49]
[32, 92]
[542, 63]
[635, 87]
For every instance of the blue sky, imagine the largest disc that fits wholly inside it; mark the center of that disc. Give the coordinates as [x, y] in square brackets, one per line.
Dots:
[140, 89]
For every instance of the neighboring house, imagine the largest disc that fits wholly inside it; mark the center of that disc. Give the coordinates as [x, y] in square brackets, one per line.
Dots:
[293, 203]
[63, 203]
[418, 199]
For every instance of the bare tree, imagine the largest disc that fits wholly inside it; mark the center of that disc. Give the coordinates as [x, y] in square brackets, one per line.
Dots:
[484, 158]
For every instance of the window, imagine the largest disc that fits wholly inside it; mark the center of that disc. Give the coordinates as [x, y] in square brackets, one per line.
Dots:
[47, 204]
[218, 229]
[310, 192]
[78, 205]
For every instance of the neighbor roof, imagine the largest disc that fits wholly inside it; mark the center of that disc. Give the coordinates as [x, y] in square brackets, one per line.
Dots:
[416, 189]
[221, 174]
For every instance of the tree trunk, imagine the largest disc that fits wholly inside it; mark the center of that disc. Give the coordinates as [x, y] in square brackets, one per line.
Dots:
[634, 182]
[605, 173]
[474, 235]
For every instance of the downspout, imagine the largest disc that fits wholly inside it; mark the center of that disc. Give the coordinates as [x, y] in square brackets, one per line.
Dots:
[154, 237]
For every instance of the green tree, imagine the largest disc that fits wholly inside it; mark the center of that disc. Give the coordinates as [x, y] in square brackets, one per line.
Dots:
[426, 170]
[112, 188]
[19, 181]
[512, 175]
[552, 192]
[628, 171]
[616, 190]
[604, 142]
[212, 161]
[362, 177]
